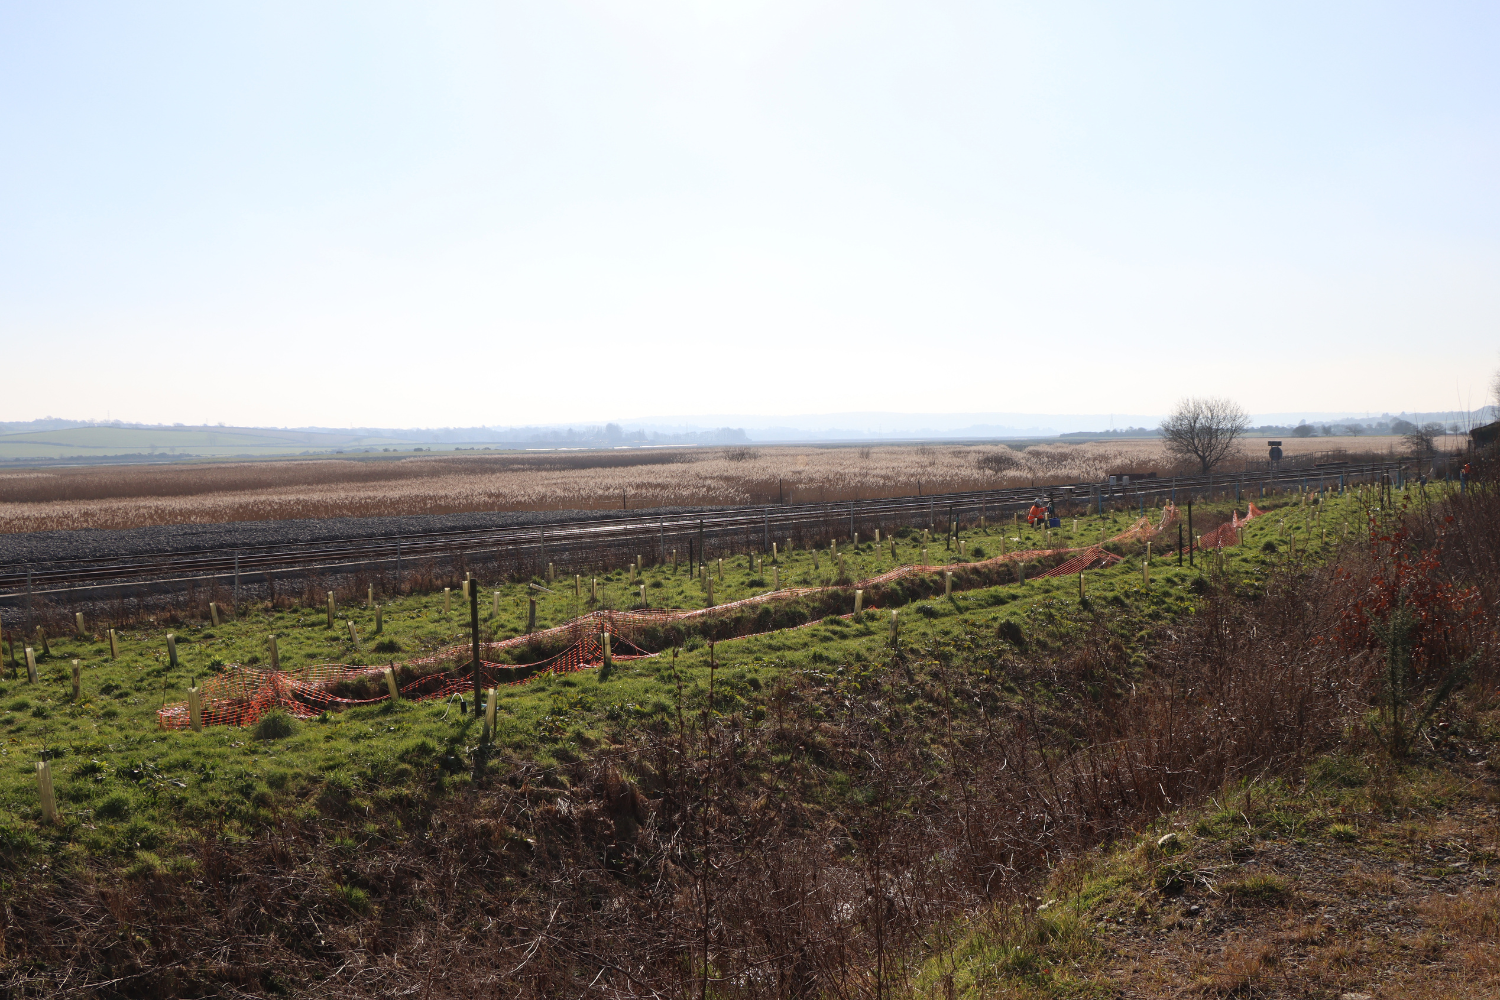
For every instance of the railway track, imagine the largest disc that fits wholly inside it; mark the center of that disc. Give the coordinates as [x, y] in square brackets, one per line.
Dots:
[578, 543]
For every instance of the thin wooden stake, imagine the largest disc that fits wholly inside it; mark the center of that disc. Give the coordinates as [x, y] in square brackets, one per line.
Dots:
[31, 664]
[195, 709]
[77, 681]
[390, 685]
[114, 646]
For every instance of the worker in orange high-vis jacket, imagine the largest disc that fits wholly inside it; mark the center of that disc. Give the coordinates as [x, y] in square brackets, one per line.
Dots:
[1038, 514]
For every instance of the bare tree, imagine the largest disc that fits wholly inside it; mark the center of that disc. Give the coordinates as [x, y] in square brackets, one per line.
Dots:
[1204, 429]
[1423, 440]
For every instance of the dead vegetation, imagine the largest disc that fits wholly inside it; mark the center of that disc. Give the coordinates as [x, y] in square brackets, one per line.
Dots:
[136, 496]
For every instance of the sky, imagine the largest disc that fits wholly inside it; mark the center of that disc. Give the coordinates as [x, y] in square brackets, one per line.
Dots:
[450, 214]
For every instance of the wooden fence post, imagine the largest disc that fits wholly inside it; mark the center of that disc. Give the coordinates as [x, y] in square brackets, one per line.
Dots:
[213, 613]
[77, 681]
[531, 614]
[114, 646]
[44, 790]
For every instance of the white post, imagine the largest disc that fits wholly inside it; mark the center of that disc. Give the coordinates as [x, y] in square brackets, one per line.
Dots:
[1081, 592]
[390, 685]
[353, 635]
[466, 590]
[77, 681]
[213, 612]
[195, 710]
[775, 577]
[330, 609]
[947, 584]
[379, 618]
[550, 576]
[608, 660]
[447, 601]
[44, 789]
[710, 583]
[491, 697]
[859, 601]
[370, 597]
[172, 650]
[893, 626]
[643, 595]
[877, 536]
[773, 551]
[495, 605]
[31, 664]
[577, 590]
[79, 618]
[275, 655]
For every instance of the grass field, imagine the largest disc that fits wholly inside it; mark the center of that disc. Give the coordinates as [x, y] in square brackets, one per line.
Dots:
[110, 732]
[133, 496]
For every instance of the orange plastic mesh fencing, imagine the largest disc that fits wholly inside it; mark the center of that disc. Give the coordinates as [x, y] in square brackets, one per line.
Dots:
[1093, 557]
[1228, 534]
[241, 695]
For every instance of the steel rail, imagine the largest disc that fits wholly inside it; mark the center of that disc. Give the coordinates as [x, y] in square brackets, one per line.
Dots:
[352, 552]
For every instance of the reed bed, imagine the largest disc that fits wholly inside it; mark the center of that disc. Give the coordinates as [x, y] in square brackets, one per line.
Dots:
[136, 496]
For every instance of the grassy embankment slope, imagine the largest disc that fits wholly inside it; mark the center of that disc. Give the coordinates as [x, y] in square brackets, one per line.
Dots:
[112, 729]
[1224, 906]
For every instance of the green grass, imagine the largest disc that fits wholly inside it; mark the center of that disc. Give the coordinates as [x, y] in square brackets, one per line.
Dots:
[129, 789]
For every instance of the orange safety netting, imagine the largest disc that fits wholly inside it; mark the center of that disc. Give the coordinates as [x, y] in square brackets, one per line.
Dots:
[1228, 533]
[242, 694]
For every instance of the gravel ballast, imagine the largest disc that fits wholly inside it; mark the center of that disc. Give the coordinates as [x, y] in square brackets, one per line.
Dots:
[32, 548]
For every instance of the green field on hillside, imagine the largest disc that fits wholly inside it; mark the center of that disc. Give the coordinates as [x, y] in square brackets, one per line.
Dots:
[208, 442]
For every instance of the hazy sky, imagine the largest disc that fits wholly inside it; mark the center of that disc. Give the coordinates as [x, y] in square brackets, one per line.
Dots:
[452, 214]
